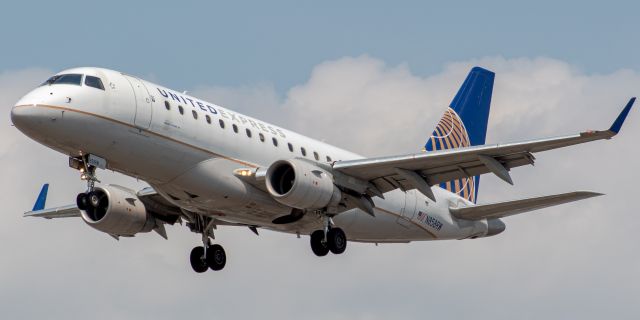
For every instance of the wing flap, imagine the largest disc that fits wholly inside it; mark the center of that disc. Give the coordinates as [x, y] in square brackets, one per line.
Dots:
[509, 208]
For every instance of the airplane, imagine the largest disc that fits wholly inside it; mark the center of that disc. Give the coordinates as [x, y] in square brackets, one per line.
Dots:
[208, 166]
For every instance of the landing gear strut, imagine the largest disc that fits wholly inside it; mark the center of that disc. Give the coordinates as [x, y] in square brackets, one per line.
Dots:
[330, 239]
[208, 255]
[88, 199]
[87, 165]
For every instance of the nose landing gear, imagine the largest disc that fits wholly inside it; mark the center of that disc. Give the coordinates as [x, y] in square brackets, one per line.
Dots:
[87, 165]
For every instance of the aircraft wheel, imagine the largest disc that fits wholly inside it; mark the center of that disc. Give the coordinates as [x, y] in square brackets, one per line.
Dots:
[336, 240]
[82, 201]
[318, 245]
[198, 262]
[216, 257]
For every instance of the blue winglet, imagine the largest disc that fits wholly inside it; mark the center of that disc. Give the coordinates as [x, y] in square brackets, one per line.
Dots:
[42, 198]
[615, 127]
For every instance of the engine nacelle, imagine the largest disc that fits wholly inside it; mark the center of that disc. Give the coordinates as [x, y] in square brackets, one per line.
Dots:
[300, 184]
[116, 210]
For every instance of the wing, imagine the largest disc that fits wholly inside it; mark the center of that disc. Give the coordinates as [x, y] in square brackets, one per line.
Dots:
[509, 208]
[422, 170]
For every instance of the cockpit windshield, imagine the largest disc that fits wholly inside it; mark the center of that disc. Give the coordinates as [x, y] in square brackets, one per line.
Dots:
[93, 82]
[75, 79]
[72, 78]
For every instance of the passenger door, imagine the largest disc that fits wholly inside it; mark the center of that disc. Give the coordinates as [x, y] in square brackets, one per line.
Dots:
[144, 102]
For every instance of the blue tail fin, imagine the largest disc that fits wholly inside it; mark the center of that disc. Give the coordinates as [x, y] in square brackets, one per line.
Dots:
[464, 124]
[42, 198]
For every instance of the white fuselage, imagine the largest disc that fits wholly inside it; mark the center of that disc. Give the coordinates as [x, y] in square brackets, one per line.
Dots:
[189, 157]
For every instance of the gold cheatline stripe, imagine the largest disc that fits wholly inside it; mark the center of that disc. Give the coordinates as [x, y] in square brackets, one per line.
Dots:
[417, 224]
[145, 130]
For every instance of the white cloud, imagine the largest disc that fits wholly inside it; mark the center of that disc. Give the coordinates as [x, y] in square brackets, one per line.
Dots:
[577, 260]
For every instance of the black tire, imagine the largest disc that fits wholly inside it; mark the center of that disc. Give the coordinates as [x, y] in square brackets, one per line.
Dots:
[82, 201]
[216, 257]
[198, 262]
[318, 246]
[336, 240]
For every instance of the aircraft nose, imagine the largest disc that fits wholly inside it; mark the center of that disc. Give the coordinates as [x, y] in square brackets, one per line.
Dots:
[18, 115]
[25, 114]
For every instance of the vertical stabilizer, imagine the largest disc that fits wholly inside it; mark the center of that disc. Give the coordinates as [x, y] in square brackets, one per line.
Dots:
[464, 124]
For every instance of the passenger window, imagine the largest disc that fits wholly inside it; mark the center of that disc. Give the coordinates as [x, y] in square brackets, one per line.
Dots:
[94, 82]
[290, 146]
[261, 137]
[303, 151]
[248, 132]
[208, 118]
[329, 159]
[235, 128]
[195, 114]
[167, 105]
[275, 142]
[221, 123]
[315, 155]
[181, 109]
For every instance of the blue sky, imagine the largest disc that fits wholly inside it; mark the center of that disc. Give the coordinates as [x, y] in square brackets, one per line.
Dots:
[230, 43]
[372, 77]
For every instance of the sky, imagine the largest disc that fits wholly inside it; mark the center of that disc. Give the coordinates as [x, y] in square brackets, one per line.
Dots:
[370, 77]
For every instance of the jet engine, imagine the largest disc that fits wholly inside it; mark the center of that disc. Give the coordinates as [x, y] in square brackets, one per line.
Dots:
[494, 226]
[300, 184]
[115, 210]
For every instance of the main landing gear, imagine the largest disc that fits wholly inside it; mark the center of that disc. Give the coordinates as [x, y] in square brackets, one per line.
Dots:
[329, 239]
[208, 255]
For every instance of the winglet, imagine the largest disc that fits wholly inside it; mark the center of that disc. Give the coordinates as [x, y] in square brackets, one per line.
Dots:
[42, 198]
[615, 127]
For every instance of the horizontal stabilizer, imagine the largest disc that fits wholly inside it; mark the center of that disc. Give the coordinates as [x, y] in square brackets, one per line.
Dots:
[52, 213]
[509, 208]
